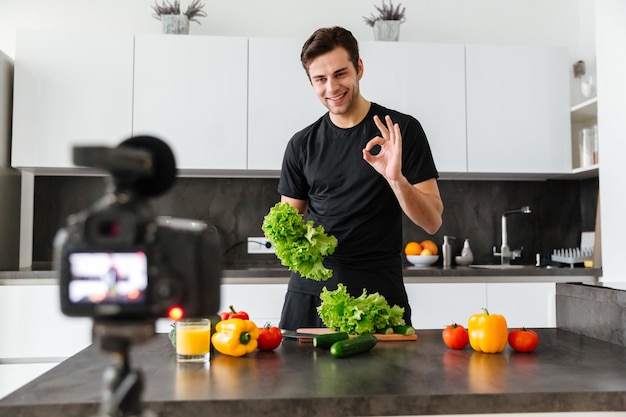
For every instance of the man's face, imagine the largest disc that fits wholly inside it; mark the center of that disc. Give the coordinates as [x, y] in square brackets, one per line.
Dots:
[335, 80]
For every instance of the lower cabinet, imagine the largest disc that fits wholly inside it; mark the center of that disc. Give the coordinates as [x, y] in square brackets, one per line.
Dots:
[14, 376]
[35, 326]
[263, 302]
[434, 306]
[35, 334]
[531, 304]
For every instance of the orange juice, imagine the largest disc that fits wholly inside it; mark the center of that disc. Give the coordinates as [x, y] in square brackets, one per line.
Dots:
[193, 339]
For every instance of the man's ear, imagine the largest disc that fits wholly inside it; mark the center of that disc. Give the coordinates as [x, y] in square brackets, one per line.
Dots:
[359, 70]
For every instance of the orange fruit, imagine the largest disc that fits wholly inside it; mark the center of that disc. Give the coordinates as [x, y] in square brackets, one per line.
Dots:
[413, 248]
[431, 246]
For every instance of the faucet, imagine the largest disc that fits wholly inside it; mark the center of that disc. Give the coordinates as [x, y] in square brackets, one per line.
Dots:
[506, 254]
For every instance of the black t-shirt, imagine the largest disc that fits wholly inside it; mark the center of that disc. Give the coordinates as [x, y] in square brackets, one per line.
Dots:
[324, 164]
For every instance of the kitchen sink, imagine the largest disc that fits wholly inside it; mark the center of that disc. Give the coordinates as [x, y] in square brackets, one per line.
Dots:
[502, 266]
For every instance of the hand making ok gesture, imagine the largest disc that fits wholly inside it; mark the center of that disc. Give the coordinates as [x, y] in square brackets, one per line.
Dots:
[388, 162]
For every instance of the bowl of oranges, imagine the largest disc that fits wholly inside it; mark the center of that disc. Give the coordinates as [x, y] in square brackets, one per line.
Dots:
[421, 254]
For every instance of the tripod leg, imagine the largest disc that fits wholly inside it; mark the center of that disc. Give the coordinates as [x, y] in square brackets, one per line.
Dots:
[122, 388]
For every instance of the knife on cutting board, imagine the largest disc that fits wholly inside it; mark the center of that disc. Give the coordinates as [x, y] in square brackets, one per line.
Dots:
[296, 334]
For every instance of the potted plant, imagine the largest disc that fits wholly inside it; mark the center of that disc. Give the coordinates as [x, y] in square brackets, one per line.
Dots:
[173, 20]
[387, 23]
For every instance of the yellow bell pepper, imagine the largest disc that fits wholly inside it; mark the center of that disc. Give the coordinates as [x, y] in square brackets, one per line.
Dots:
[488, 332]
[235, 337]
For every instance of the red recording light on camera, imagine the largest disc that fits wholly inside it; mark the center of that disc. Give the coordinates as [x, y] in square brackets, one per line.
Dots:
[175, 313]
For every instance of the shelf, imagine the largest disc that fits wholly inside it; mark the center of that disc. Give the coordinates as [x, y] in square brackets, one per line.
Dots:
[586, 111]
[585, 172]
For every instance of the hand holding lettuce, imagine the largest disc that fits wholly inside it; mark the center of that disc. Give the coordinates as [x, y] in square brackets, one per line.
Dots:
[300, 246]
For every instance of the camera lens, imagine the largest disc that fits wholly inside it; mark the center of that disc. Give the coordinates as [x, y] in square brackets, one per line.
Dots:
[110, 228]
[115, 227]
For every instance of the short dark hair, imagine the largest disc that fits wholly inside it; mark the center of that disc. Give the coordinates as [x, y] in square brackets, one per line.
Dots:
[325, 40]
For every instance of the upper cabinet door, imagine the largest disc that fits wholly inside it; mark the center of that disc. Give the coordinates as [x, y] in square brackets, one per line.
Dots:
[191, 91]
[426, 81]
[69, 89]
[518, 113]
[281, 100]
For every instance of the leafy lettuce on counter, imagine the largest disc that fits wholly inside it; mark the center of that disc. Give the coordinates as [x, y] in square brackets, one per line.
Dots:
[364, 314]
[300, 246]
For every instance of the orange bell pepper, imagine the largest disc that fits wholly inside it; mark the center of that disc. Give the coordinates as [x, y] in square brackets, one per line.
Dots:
[488, 332]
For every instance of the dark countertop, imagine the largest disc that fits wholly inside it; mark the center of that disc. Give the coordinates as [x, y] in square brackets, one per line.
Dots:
[567, 372]
[436, 274]
[437, 271]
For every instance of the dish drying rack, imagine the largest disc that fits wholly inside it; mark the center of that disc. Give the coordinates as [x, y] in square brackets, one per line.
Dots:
[572, 256]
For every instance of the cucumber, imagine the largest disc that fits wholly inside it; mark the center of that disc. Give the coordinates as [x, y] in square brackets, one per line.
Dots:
[404, 330]
[360, 344]
[325, 341]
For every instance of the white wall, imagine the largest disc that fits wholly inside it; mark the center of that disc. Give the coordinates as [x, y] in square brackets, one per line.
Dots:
[611, 38]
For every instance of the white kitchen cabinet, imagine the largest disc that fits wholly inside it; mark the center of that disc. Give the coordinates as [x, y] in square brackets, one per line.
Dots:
[281, 100]
[528, 304]
[191, 91]
[13, 376]
[518, 112]
[524, 304]
[232, 103]
[426, 81]
[69, 89]
[434, 306]
[262, 302]
[35, 327]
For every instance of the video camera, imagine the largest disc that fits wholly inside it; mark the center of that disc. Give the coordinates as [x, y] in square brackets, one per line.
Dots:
[117, 261]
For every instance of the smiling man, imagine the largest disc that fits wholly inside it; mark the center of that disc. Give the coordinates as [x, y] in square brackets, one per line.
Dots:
[355, 171]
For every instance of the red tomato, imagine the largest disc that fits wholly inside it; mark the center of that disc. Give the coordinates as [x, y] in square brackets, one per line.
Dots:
[455, 336]
[269, 337]
[523, 340]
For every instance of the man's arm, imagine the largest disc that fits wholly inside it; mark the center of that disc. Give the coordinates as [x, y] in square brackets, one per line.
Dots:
[300, 205]
[420, 202]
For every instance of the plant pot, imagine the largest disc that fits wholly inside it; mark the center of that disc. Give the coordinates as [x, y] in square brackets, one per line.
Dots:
[387, 30]
[175, 24]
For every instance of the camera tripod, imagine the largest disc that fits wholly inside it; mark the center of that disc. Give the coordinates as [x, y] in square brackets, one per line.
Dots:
[122, 385]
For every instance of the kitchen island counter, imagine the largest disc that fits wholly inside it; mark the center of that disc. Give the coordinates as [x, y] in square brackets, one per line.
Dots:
[567, 372]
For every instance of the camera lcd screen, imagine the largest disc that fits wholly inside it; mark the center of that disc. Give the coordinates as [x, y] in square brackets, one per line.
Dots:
[108, 277]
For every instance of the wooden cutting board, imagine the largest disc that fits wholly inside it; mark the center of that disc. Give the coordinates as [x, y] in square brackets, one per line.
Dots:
[380, 337]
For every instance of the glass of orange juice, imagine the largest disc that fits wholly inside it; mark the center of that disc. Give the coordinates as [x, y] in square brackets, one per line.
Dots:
[193, 340]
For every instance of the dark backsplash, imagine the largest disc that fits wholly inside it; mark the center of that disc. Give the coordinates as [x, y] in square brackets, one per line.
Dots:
[561, 210]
